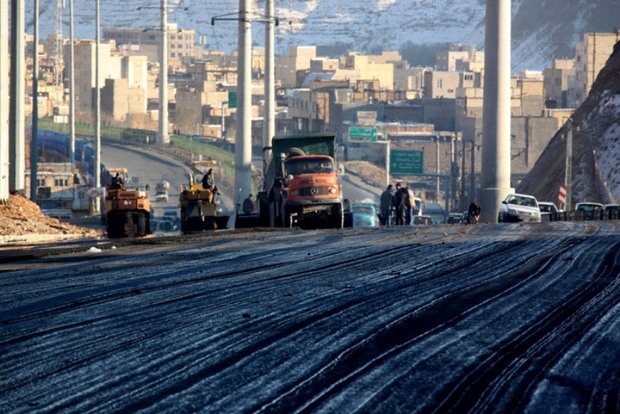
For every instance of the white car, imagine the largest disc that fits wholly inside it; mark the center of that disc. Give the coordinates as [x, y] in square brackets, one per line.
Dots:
[519, 207]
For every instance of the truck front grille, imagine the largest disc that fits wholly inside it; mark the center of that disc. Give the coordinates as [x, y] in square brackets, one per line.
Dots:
[313, 191]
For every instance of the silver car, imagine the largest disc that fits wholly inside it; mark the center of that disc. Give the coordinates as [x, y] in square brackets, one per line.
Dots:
[519, 207]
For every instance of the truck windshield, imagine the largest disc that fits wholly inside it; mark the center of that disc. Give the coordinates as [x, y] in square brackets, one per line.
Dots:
[309, 166]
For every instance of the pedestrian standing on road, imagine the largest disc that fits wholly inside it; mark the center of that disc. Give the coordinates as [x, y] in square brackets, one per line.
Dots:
[386, 203]
[399, 205]
[409, 203]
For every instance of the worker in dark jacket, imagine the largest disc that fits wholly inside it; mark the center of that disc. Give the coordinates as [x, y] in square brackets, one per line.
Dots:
[248, 205]
[400, 199]
[386, 204]
[207, 180]
[117, 182]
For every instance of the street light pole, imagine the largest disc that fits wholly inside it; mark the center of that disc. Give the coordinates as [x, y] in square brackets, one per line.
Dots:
[162, 137]
[269, 126]
[71, 83]
[97, 112]
[223, 130]
[243, 139]
[568, 172]
[34, 153]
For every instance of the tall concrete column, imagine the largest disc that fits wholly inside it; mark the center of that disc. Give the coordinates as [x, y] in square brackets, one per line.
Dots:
[162, 136]
[243, 142]
[34, 150]
[495, 173]
[270, 94]
[17, 121]
[97, 200]
[4, 102]
[71, 83]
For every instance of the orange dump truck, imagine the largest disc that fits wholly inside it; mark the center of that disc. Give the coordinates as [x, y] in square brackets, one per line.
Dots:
[302, 183]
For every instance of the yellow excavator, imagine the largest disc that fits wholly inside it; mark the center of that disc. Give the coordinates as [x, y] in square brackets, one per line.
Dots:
[199, 207]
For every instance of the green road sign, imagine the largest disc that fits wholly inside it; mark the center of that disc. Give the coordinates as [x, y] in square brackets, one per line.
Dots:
[363, 134]
[406, 162]
[232, 99]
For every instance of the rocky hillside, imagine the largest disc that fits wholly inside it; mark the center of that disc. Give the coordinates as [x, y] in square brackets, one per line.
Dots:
[596, 146]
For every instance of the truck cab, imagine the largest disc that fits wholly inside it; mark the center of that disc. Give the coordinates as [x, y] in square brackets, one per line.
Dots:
[302, 183]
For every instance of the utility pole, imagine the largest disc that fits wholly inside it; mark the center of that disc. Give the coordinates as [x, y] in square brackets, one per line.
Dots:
[495, 176]
[243, 141]
[71, 84]
[162, 137]
[4, 103]
[34, 151]
[269, 125]
[97, 113]
[58, 59]
[17, 139]
[568, 171]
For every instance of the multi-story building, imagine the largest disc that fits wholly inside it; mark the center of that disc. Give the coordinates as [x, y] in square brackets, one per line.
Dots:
[181, 42]
[590, 57]
[460, 58]
[558, 80]
[438, 84]
[287, 67]
[85, 72]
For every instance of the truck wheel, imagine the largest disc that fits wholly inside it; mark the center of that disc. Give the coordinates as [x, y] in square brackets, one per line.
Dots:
[142, 225]
[337, 217]
[273, 214]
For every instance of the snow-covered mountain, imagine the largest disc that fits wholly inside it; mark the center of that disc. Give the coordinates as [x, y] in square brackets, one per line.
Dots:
[541, 29]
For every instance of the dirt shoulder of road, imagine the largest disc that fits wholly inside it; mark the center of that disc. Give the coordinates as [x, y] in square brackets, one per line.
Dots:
[21, 220]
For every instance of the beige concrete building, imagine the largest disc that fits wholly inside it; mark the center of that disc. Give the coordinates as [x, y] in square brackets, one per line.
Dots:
[367, 67]
[460, 58]
[287, 67]
[410, 80]
[439, 84]
[590, 57]
[558, 79]
[85, 71]
[146, 42]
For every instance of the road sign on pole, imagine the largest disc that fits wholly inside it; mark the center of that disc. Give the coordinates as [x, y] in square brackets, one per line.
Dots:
[232, 99]
[363, 134]
[406, 162]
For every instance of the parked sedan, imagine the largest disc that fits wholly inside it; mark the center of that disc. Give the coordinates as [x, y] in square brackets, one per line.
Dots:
[519, 207]
[547, 207]
[365, 215]
[588, 210]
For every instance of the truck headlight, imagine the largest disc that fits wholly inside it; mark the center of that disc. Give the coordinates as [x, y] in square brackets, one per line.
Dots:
[332, 190]
[294, 192]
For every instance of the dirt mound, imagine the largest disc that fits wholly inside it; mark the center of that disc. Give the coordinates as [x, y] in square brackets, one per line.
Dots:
[22, 217]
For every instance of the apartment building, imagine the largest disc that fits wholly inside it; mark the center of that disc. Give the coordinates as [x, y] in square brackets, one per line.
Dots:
[181, 42]
[591, 54]
[438, 84]
[460, 58]
[287, 67]
[110, 67]
[558, 79]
